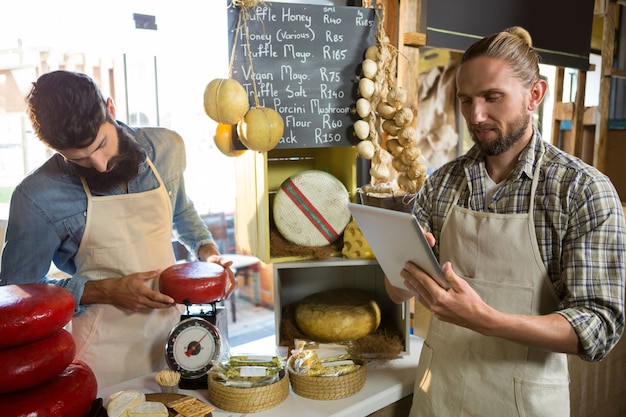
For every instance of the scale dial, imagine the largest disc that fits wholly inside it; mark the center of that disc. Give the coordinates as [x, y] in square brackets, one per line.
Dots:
[192, 347]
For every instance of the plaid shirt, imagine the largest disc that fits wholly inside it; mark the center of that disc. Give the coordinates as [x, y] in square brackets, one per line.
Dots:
[580, 227]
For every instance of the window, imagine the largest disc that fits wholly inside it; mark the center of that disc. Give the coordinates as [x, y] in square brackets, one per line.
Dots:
[156, 77]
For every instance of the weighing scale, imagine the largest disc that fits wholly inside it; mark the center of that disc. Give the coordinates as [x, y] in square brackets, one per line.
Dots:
[194, 344]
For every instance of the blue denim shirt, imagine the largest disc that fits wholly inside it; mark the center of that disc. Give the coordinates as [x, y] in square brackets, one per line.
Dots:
[49, 208]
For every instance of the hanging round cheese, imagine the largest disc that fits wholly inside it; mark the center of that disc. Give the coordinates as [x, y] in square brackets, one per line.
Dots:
[311, 208]
[338, 315]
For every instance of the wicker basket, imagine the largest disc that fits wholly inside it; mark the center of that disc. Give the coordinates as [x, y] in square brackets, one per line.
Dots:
[393, 202]
[248, 400]
[326, 387]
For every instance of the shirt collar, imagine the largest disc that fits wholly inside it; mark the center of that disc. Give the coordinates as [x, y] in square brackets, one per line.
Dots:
[530, 156]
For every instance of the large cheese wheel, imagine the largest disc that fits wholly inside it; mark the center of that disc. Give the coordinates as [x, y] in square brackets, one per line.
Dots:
[30, 364]
[338, 315]
[194, 282]
[69, 394]
[311, 208]
[31, 312]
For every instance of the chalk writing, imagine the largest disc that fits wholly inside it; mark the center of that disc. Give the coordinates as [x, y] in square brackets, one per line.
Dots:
[306, 60]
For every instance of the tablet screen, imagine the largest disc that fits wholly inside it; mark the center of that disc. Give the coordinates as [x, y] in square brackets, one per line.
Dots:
[395, 238]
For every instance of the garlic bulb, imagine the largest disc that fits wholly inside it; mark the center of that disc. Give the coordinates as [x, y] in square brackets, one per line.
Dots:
[403, 117]
[369, 68]
[410, 154]
[366, 87]
[380, 171]
[366, 149]
[399, 166]
[396, 96]
[386, 110]
[361, 129]
[384, 156]
[387, 137]
[416, 171]
[390, 127]
[407, 136]
[372, 53]
[394, 147]
[363, 107]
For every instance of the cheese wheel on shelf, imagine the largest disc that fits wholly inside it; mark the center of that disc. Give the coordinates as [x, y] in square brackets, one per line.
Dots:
[311, 208]
[338, 315]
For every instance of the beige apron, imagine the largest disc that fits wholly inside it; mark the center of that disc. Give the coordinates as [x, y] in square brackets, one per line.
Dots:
[462, 373]
[124, 234]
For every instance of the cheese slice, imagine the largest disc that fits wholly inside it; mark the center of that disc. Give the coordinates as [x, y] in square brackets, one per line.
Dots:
[120, 402]
[149, 409]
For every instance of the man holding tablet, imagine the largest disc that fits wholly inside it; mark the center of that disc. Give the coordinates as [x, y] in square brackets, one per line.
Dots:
[532, 241]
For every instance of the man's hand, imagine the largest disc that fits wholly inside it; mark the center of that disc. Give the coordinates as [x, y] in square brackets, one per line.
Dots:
[232, 282]
[209, 253]
[463, 306]
[397, 295]
[460, 305]
[130, 292]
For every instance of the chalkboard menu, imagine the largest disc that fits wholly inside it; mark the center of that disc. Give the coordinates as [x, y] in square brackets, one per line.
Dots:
[305, 65]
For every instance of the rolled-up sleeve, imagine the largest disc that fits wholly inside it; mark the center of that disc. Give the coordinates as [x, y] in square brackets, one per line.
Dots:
[594, 270]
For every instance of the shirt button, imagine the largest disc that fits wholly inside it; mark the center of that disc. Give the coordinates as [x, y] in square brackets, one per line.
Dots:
[491, 206]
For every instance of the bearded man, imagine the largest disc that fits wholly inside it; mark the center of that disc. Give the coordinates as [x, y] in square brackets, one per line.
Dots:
[533, 243]
[103, 208]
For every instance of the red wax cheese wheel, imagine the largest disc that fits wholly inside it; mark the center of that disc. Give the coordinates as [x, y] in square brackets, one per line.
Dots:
[194, 282]
[31, 364]
[68, 394]
[30, 312]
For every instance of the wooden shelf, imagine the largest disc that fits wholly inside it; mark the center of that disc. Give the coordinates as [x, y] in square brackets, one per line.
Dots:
[260, 175]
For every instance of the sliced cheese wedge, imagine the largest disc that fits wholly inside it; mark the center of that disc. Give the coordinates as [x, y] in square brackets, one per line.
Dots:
[120, 402]
[149, 409]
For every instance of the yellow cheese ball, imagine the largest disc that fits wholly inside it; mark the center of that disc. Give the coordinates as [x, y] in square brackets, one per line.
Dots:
[338, 315]
[224, 140]
[226, 100]
[261, 129]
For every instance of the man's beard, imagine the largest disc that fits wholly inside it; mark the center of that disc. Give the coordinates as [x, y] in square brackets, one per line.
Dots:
[502, 143]
[125, 165]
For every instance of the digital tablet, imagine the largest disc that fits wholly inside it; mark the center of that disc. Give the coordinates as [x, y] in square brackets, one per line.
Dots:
[395, 238]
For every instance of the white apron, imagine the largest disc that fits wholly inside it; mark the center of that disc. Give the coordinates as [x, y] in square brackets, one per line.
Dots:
[124, 234]
[462, 373]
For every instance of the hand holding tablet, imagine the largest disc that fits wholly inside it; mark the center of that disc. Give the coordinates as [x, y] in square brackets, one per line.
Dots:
[395, 238]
